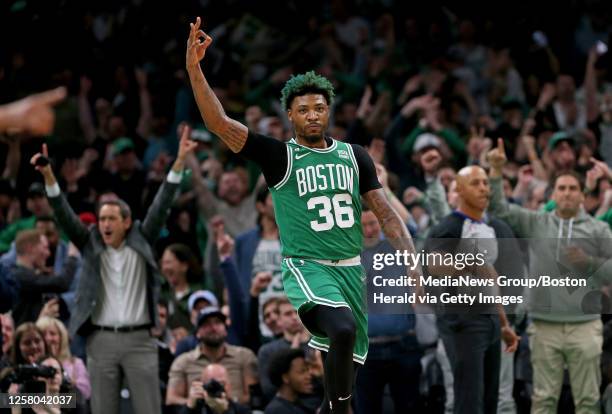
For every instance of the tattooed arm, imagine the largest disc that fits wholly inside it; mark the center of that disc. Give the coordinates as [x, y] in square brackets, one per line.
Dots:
[395, 231]
[232, 133]
[392, 226]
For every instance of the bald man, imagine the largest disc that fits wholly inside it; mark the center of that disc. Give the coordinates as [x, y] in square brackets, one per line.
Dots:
[471, 331]
[203, 399]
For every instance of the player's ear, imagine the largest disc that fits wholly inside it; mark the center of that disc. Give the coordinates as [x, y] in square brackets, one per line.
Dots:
[289, 116]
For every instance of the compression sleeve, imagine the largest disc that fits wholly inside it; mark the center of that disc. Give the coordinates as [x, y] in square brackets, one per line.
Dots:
[269, 153]
[368, 180]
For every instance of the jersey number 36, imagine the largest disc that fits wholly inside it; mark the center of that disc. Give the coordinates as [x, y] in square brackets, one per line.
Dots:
[337, 211]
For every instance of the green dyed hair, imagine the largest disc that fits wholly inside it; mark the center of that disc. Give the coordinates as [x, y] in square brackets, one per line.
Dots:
[306, 83]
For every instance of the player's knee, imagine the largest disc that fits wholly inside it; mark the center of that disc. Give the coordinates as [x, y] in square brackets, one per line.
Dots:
[344, 333]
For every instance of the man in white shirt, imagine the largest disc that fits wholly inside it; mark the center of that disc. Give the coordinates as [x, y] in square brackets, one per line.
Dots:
[115, 304]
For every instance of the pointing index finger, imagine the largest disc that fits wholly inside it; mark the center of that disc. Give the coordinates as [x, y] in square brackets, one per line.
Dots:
[51, 97]
[500, 144]
[186, 132]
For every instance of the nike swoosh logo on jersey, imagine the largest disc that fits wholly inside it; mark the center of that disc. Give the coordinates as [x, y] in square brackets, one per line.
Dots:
[298, 156]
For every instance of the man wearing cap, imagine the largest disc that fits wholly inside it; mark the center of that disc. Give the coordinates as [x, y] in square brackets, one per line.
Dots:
[418, 145]
[117, 297]
[562, 150]
[38, 205]
[240, 362]
[198, 300]
[128, 180]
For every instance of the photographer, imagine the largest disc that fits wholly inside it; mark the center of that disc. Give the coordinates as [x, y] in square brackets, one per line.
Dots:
[58, 346]
[53, 382]
[28, 346]
[210, 394]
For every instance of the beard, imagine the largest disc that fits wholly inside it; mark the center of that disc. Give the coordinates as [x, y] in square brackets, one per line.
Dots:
[213, 341]
[314, 138]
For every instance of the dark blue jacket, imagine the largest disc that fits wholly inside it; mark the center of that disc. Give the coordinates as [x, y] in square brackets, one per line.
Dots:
[8, 289]
[244, 251]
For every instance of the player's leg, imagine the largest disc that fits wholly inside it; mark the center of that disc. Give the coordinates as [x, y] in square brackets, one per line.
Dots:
[338, 324]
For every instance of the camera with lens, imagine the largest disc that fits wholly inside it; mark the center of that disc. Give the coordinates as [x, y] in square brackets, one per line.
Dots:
[214, 388]
[26, 374]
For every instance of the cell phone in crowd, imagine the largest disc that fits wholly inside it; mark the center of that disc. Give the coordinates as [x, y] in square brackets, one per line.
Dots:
[601, 48]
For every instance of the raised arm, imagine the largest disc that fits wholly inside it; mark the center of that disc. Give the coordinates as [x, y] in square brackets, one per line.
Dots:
[520, 219]
[32, 114]
[231, 132]
[160, 208]
[590, 86]
[66, 217]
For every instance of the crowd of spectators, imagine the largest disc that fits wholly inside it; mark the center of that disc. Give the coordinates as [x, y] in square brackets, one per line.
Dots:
[427, 92]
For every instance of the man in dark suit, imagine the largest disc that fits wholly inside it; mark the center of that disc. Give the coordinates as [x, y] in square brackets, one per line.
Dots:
[116, 299]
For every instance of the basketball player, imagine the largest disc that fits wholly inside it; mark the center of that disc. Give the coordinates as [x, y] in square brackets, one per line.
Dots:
[316, 184]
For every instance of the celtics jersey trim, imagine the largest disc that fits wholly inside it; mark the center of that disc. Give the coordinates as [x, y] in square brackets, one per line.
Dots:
[317, 203]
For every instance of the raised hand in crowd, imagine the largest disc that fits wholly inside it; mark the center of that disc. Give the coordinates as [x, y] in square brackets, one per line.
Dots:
[524, 179]
[42, 164]
[365, 106]
[547, 95]
[497, 158]
[411, 85]
[477, 143]
[186, 146]
[225, 242]
[51, 308]
[32, 114]
[260, 282]
[419, 103]
[430, 162]
[606, 203]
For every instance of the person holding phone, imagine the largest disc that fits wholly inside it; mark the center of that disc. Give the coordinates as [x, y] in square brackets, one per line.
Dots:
[37, 288]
